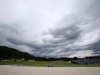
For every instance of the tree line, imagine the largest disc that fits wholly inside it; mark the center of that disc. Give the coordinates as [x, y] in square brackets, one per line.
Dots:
[9, 53]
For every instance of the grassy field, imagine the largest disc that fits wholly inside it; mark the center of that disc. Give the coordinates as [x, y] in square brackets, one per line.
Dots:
[44, 63]
[25, 63]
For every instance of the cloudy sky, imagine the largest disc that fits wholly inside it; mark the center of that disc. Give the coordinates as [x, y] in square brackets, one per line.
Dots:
[51, 28]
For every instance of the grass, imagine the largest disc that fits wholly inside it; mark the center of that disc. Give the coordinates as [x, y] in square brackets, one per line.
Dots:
[44, 63]
[25, 63]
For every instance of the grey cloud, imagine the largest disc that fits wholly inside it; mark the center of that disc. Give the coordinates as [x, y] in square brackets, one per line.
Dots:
[7, 31]
[95, 47]
[68, 33]
[80, 25]
[71, 30]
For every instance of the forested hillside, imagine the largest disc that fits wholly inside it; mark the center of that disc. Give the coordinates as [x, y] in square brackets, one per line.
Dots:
[7, 53]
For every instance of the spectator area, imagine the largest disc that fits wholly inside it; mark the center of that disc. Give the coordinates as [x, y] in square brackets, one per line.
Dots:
[86, 61]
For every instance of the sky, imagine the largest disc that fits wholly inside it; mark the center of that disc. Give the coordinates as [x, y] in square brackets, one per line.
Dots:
[51, 28]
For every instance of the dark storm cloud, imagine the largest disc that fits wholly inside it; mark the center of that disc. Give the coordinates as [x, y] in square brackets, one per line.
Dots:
[7, 31]
[95, 47]
[39, 49]
[70, 32]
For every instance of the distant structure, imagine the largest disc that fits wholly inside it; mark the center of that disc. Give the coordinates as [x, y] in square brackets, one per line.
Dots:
[86, 61]
[22, 59]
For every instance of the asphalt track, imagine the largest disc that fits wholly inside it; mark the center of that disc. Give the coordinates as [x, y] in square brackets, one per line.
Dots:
[26, 70]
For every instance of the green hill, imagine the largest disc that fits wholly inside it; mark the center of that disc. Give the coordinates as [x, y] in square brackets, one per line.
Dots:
[8, 53]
